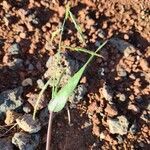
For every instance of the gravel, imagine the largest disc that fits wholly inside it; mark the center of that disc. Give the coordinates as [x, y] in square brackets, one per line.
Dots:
[78, 95]
[27, 123]
[123, 46]
[118, 125]
[27, 81]
[25, 141]
[17, 63]
[11, 99]
[14, 49]
[134, 128]
[107, 93]
[40, 83]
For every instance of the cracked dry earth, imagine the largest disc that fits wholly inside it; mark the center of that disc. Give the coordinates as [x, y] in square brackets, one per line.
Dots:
[110, 108]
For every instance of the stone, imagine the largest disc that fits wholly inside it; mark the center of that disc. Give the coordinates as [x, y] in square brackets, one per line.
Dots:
[27, 123]
[78, 95]
[14, 49]
[40, 83]
[107, 93]
[121, 97]
[111, 110]
[32, 99]
[120, 139]
[17, 63]
[65, 67]
[27, 81]
[123, 46]
[27, 108]
[135, 109]
[133, 128]
[118, 125]
[25, 141]
[5, 144]
[11, 99]
[145, 116]
[11, 117]
[121, 72]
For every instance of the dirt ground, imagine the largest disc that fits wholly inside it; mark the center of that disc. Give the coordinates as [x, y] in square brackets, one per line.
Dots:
[124, 77]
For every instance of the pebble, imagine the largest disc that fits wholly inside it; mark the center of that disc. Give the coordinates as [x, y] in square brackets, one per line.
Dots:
[14, 49]
[135, 109]
[145, 116]
[133, 128]
[17, 63]
[32, 98]
[25, 141]
[107, 93]
[123, 46]
[111, 110]
[27, 81]
[5, 144]
[40, 83]
[78, 95]
[102, 136]
[121, 71]
[121, 97]
[11, 99]
[27, 123]
[120, 139]
[118, 125]
[11, 117]
[27, 108]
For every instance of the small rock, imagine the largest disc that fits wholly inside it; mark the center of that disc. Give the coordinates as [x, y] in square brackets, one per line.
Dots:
[27, 81]
[135, 109]
[17, 63]
[14, 49]
[5, 144]
[27, 108]
[144, 64]
[120, 139]
[32, 99]
[121, 71]
[121, 97]
[27, 123]
[40, 83]
[107, 93]
[133, 128]
[11, 99]
[145, 116]
[25, 141]
[118, 125]
[78, 94]
[102, 136]
[11, 117]
[123, 46]
[111, 110]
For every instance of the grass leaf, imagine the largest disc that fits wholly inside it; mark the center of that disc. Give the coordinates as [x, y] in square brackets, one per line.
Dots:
[81, 36]
[60, 99]
[82, 50]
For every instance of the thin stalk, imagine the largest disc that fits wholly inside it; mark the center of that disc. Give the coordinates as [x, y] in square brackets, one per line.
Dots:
[49, 131]
[62, 27]
[39, 98]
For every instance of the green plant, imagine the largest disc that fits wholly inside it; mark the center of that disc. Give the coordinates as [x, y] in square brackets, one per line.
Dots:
[60, 97]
